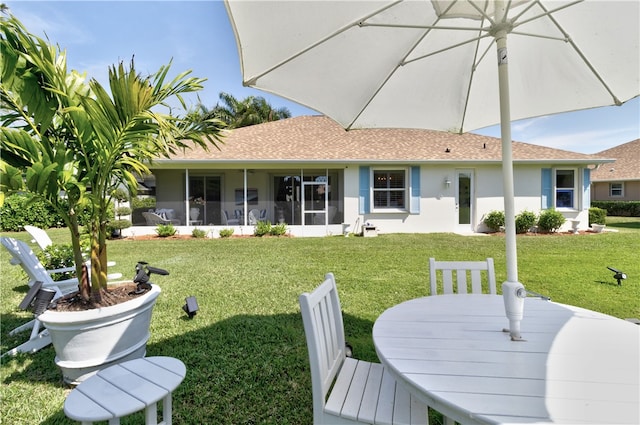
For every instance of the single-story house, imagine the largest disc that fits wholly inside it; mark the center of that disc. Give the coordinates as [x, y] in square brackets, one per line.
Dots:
[320, 180]
[620, 180]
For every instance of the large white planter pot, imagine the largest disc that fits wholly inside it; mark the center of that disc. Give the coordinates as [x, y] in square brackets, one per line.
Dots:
[87, 341]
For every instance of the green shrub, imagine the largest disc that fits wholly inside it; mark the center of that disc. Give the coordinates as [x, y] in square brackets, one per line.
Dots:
[525, 221]
[199, 233]
[494, 220]
[226, 233]
[550, 221]
[262, 228]
[140, 205]
[597, 215]
[58, 256]
[165, 230]
[22, 209]
[114, 227]
[619, 208]
[143, 203]
[279, 229]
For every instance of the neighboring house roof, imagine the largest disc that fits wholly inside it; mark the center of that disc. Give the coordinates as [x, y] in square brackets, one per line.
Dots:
[626, 165]
[319, 138]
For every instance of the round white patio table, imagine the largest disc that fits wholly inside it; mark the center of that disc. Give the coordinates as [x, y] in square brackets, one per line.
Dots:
[575, 365]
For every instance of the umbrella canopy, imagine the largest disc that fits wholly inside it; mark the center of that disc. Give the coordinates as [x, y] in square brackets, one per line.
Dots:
[432, 64]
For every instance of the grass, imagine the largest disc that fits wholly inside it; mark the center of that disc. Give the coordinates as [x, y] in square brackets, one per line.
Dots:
[245, 350]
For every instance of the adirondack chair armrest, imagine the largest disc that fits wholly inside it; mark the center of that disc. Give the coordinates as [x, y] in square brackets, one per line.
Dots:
[61, 270]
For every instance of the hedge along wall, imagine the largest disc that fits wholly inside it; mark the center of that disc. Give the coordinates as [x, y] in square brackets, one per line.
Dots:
[619, 208]
[20, 210]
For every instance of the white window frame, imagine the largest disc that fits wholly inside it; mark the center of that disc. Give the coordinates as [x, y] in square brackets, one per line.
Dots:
[621, 189]
[575, 189]
[405, 189]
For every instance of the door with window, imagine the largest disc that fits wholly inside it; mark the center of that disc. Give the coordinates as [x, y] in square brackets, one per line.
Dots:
[204, 200]
[465, 200]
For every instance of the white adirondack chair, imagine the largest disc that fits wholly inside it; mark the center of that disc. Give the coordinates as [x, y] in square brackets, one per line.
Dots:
[361, 392]
[39, 236]
[463, 270]
[21, 254]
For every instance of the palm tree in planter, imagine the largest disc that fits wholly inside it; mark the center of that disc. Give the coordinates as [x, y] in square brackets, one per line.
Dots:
[73, 143]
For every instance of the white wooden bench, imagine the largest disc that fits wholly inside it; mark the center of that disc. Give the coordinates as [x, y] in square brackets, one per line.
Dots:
[126, 388]
[361, 392]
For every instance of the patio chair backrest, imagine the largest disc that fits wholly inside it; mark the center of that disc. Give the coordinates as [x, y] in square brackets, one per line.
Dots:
[154, 219]
[324, 329]
[462, 270]
[39, 236]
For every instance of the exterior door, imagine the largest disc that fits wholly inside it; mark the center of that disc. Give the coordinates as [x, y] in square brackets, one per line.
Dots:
[465, 200]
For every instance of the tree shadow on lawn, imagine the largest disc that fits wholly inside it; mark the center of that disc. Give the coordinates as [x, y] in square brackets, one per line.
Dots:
[247, 369]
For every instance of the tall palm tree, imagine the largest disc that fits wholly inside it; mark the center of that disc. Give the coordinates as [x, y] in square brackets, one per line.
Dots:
[69, 136]
[241, 113]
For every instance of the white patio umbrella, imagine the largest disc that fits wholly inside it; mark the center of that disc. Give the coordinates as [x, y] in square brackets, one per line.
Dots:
[431, 64]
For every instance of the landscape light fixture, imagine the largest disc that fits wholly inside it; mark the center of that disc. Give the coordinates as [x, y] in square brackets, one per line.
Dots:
[38, 297]
[191, 306]
[143, 273]
[619, 276]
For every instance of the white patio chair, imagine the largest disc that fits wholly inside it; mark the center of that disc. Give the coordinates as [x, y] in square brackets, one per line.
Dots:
[42, 239]
[463, 270]
[226, 221]
[21, 254]
[361, 392]
[38, 339]
[254, 217]
[153, 219]
[39, 236]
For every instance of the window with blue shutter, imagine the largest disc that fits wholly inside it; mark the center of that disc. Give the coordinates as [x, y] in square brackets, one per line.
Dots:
[586, 188]
[546, 195]
[414, 203]
[365, 185]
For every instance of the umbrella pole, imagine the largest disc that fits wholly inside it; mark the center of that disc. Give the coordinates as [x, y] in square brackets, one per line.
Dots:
[512, 290]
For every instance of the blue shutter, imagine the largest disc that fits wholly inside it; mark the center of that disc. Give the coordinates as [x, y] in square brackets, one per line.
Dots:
[364, 190]
[414, 202]
[586, 189]
[547, 189]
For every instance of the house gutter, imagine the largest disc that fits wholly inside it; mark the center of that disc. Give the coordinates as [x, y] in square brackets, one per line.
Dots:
[189, 163]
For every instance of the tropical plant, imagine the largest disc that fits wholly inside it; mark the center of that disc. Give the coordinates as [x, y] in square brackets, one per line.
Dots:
[226, 233]
[279, 229]
[241, 113]
[262, 228]
[66, 136]
[199, 233]
[165, 230]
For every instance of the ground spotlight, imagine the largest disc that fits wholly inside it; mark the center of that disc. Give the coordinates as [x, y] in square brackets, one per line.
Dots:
[619, 276]
[191, 306]
[38, 298]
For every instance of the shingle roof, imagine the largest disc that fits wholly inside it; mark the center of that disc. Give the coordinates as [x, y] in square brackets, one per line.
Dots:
[626, 165]
[319, 138]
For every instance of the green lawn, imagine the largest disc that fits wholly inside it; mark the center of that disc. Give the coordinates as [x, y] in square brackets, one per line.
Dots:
[245, 350]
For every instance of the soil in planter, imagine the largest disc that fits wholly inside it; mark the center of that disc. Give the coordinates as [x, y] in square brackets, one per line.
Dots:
[111, 296]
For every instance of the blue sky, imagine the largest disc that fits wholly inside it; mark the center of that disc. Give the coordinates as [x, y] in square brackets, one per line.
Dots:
[198, 37]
